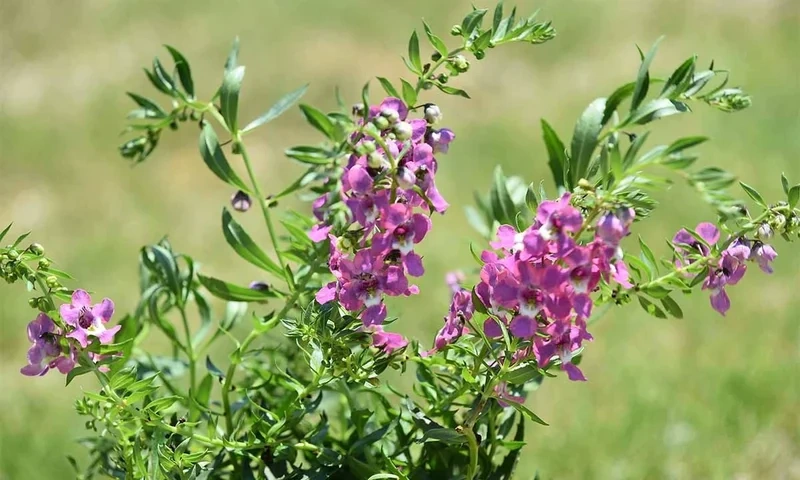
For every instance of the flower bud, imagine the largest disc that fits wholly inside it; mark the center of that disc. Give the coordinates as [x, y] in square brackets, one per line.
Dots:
[427, 85]
[375, 160]
[259, 286]
[36, 249]
[31, 278]
[460, 63]
[433, 114]
[585, 184]
[12, 254]
[403, 130]
[358, 110]
[764, 232]
[456, 30]
[381, 122]
[52, 281]
[480, 54]
[443, 78]
[368, 145]
[44, 264]
[391, 115]
[33, 302]
[778, 222]
[406, 178]
[436, 56]
[241, 202]
[236, 148]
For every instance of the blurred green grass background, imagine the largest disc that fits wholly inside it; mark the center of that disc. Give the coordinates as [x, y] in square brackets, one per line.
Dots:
[702, 397]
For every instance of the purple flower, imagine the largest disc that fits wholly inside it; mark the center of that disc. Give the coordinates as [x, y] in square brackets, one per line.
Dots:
[728, 272]
[556, 219]
[440, 140]
[564, 340]
[241, 202]
[388, 342]
[612, 228]
[461, 311]
[45, 351]
[689, 245]
[764, 254]
[403, 229]
[88, 320]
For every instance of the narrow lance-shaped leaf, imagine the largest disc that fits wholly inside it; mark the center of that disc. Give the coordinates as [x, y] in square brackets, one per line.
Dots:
[584, 139]
[215, 160]
[319, 120]
[437, 43]
[233, 56]
[752, 193]
[643, 78]
[184, 71]
[231, 292]
[413, 51]
[229, 97]
[388, 87]
[243, 245]
[557, 158]
[278, 109]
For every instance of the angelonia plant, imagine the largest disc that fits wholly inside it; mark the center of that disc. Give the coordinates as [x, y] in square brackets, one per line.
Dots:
[304, 391]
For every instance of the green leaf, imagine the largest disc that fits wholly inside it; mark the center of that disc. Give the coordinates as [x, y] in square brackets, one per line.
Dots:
[162, 77]
[498, 15]
[229, 97]
[556, 154]
[278, 109]
[472, 21]
[672, 307]
[437, 43]
[213, 370]
[413, 51]
[527, 413]
[148, 105]
[752, 193]
[684, 143]
[503, 206]
[78, 371]
[233, 56]
[633, 150]
[243, 245]
[648, 257]
[452, 91]
[201, 397]
[584, 139]
[409, 93]
[184, 71]
[794, 196]
[614, 100]
[236, 293]
[309, 155]
[215, 160]
[656, 109]
[5, 231]
[168, 266]
[163, 403]
[643, 78]
[319, 120]
[784, 184]
[651, 308]
[680, 78]
[388, 87]
[444, 435]
[522, 375]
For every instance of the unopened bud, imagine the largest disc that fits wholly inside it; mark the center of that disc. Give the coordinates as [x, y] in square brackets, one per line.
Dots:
[44, 264]
[358, 110]
[778, 222]
[381, 122]
[427, 85]
[52, 281]
[369, 146]
[764, 232]
[236, 148]
[391, 115]
[585, 184]
[241, 201]
[460, 63]
[433, 114]
[259, 286]
[436, 56]
[36, 249]
[33, 302]
[403, 131]
[375, 160]
[480, 54]
[456, 30]
[443, 78]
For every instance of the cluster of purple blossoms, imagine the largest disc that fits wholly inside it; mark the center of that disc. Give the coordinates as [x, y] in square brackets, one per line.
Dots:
[51, 347]
[537, 283]
[730, 267]
[389, 188]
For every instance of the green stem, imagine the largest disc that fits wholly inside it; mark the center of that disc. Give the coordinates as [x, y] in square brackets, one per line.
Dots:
[427, 76]
[262, 201]
[189, 350]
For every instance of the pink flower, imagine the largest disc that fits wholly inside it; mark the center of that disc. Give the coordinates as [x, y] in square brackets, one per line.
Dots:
[45, 352]
[388, 342]
[88, 320]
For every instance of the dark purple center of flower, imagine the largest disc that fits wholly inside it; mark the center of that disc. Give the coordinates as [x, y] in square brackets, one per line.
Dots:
[394, 257]
[85, 318]
[532, 297]
[401, 232]
[369, 282]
